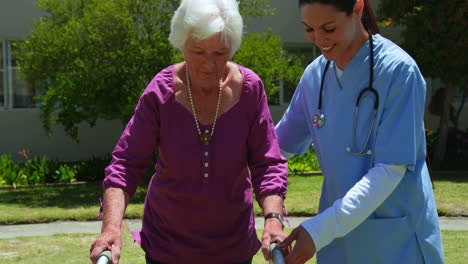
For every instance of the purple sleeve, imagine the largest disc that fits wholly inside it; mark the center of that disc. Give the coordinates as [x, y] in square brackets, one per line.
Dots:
[134, 151]
[268, 168]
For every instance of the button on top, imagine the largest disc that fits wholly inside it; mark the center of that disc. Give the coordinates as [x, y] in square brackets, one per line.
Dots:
[207, 131]
[206, 154]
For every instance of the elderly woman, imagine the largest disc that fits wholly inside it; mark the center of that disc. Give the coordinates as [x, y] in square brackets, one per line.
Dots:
[209, 119]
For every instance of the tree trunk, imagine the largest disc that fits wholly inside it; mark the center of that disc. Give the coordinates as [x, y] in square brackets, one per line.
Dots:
[441, 147]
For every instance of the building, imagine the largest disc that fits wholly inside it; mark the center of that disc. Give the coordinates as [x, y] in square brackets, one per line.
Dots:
[21, 126]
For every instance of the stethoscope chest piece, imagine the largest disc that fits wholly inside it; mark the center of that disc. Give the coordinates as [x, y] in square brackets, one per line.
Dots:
[318, 120]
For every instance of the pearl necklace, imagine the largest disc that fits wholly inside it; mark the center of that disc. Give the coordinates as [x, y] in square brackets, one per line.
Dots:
[206, 136]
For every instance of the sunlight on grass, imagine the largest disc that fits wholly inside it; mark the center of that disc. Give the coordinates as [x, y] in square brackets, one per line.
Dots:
[451, 195]
[46, 204]
[303, 195]
[74, 249]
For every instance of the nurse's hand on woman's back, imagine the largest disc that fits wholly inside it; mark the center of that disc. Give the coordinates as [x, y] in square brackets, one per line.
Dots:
[303, 250]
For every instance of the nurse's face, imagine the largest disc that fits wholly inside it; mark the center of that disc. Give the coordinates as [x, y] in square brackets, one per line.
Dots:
[332, 31]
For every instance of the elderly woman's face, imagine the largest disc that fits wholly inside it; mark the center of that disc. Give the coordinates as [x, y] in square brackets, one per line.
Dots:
[206, 59]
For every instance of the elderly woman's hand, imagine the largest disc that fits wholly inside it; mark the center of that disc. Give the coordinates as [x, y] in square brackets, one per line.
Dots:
[273, 232]
[112, 241]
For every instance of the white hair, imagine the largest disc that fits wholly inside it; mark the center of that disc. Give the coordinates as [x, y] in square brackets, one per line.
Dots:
[201, 19]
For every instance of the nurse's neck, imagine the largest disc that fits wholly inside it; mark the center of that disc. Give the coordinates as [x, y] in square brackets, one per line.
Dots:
[358, 41]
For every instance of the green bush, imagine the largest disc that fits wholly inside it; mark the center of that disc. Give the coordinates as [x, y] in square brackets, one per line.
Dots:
[35, 170]
[10, 172]
[302, 163]
[65, 174]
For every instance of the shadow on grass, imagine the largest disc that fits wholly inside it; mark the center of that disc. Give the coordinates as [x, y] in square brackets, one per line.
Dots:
[61, 196]
[75, 196]
[452, 176]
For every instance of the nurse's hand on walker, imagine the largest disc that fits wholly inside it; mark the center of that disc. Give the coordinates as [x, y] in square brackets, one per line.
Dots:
[303, 250]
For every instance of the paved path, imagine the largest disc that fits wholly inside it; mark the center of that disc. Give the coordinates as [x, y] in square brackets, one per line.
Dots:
[94, 227]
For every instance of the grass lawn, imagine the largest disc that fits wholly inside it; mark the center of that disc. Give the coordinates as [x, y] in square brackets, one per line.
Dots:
[81, 202]
[75, 249]
[451, 193]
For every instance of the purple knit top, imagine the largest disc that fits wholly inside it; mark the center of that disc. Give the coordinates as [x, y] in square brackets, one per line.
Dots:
[199, 206]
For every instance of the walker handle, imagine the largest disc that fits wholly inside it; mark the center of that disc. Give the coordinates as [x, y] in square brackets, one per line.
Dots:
[105, 257]
[276, 254]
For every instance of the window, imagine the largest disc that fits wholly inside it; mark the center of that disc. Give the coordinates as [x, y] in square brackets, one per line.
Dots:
[14, 92]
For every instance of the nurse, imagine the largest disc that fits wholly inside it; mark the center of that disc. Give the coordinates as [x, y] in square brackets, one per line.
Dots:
[361, 104]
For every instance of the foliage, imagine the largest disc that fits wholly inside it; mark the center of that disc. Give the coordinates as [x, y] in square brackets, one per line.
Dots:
[34, 170]
[92, 59]
[65, 174]
[37, 171]
[91, 56]
[302, 163]
[431, 138]
[263, 53]
[434, 33]
[255, 8]
[10, 172]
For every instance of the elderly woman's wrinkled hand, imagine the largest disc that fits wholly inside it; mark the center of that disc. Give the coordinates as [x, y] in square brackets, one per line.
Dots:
[107, 241]
[273, 232]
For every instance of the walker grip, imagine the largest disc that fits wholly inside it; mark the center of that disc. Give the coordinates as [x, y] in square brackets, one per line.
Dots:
[276, 254]
[105, 257]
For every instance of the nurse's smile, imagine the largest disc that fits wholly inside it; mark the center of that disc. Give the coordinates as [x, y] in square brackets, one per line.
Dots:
[327, 49]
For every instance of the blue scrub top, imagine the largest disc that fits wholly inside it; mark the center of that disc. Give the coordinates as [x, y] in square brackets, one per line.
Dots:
[405, 228]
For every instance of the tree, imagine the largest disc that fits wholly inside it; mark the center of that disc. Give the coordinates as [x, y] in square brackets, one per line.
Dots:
[92, 59]
[434, 33]
[263, 53]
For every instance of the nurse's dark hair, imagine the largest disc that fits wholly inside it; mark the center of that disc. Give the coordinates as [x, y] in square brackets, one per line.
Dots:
[368, 17]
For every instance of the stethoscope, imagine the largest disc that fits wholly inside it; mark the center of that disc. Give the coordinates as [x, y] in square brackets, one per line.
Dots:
[319, 118]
